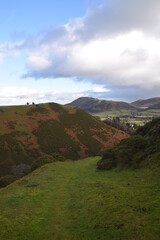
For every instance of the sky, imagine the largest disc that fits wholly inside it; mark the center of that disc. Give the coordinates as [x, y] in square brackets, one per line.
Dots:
[57, 51]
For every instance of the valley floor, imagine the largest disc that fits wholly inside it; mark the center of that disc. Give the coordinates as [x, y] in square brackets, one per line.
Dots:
[75, 201]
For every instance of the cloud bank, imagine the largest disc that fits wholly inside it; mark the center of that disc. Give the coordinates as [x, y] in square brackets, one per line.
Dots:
[21, 95]
[116, 43]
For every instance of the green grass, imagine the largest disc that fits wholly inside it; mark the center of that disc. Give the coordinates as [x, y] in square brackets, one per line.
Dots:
[114, 113]
[140, 117]
[151, 113]
[75, 201]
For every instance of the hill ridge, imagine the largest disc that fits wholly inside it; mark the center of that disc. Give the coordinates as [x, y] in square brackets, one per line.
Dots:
[95, 105]
[146, 103]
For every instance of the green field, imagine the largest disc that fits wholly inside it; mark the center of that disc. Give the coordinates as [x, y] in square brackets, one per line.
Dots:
[130, 116]
[74, 201]
[114, 113]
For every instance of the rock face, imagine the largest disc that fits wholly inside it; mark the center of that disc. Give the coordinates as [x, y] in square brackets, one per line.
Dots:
[49, 131]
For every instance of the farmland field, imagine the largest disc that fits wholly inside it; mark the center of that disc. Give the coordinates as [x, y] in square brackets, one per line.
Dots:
[132, 117]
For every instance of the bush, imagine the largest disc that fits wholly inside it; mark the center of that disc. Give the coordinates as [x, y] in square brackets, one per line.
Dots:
[21, 170]
[108, 160]
[130, 152]
[7, 179]
[42, 161]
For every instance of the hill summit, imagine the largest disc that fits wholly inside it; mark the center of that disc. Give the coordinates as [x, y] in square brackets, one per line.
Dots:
[94, 105]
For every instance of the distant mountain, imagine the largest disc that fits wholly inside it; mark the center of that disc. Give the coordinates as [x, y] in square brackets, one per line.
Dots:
[141, 149]
[32, 135]
[94, 105]
[152, 103]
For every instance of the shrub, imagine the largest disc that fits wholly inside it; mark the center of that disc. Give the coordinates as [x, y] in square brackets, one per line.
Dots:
[7, 179]
[108, 160]
[52, 136]
[130, 152]
[42, 161]
[37, 109]
[21, 170]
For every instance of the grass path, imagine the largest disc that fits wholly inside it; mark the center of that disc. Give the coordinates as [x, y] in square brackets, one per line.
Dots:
[75, 201]
[60, 220]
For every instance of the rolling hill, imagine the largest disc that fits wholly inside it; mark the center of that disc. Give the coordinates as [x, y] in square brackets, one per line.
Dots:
[141, 149]
[33, 135]
[93, 105]
[147, 103]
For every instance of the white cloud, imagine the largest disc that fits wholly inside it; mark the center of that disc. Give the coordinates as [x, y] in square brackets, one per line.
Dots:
[131, 59]
[116, 43]
[38, 62]
[100, 89]
[21, 95]
[17, 92]
[3, 50]
[9, 49]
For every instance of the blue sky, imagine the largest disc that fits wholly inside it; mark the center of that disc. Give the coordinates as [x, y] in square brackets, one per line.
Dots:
[61, 50]
[30, 16]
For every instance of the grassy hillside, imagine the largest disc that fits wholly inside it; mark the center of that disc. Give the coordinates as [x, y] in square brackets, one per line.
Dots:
[154, 106]
[93, 105]
[74, 201]
[33, 135]
[147, 103]
[141, 149]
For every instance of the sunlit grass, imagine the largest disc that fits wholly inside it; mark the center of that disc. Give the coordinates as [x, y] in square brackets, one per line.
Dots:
[74, 200]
